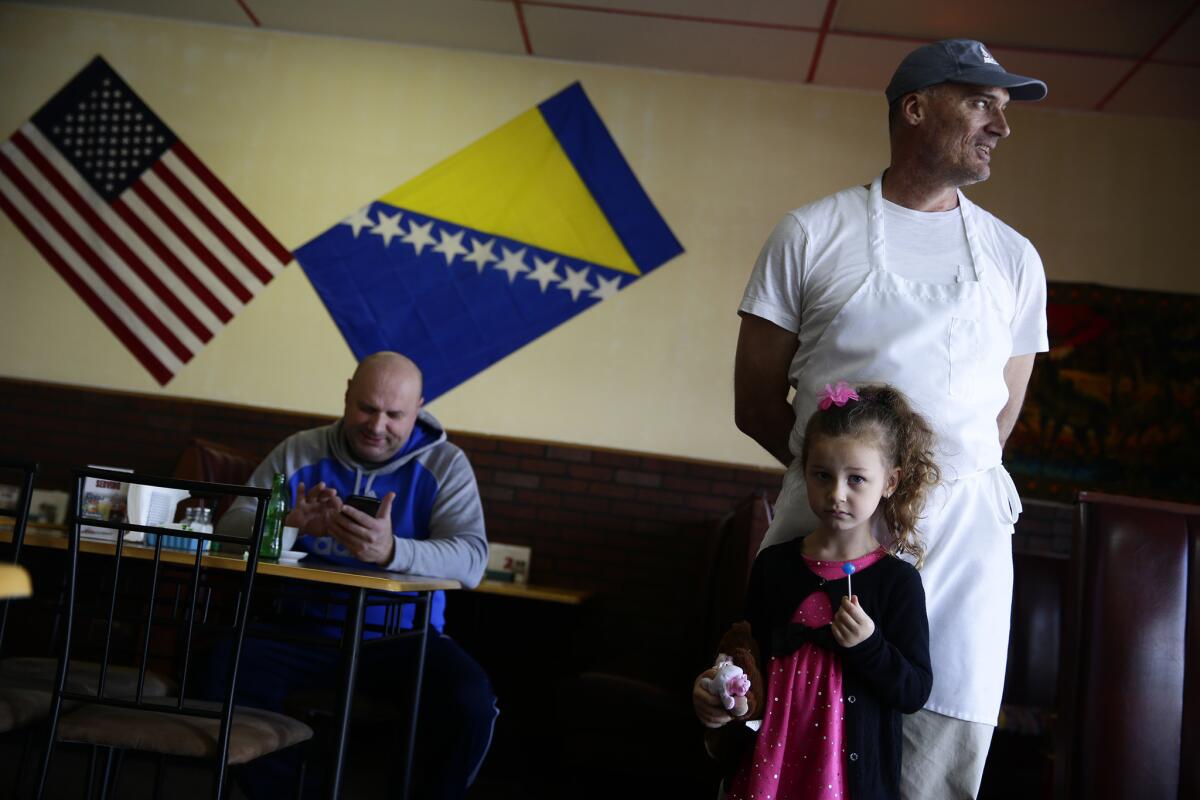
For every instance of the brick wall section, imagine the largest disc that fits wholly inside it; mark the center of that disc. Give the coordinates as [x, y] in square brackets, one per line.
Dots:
[630, 527]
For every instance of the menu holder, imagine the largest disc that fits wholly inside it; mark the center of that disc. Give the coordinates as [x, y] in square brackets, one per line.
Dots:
[105, 500]
[508, 563]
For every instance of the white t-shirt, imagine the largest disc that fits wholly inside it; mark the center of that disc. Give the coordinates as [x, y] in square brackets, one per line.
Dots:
[816, 259]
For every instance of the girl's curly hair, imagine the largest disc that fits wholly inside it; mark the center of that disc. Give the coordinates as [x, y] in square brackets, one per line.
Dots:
[906, 440]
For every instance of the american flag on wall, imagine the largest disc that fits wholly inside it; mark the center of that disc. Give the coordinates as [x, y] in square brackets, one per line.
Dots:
[150, 240]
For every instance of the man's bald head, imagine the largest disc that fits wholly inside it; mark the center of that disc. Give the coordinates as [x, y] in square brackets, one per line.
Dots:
[388, 363]
[383, 399]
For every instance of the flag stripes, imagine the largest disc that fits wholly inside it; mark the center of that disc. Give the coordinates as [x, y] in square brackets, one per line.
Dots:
[131, 219]
[99, 297]
[169, 260]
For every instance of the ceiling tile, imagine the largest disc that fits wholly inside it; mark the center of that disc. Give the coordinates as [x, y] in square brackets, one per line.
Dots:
[1159, 90]
[1117, 27]
[1073, 81]
[804, 13]
[687, 46]
[853, 62]
[466, 24]
[220, 12]
[1184, 44]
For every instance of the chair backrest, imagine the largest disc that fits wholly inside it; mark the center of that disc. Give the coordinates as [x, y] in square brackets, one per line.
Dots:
[1130, 681]
[732, 552]
[26, 470]
[130, 595]
[1035, 638]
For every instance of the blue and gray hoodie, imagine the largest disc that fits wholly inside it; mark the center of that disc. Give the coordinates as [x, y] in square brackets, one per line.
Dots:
[437, 517]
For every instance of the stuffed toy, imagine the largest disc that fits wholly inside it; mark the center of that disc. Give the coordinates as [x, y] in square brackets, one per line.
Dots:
[738, 682]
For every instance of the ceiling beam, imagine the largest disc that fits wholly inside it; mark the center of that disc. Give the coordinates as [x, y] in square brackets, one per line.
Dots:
[249, 13]
[524, 28]
[825, 23]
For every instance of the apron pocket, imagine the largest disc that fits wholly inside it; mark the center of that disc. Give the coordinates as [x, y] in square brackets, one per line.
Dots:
[963, 350]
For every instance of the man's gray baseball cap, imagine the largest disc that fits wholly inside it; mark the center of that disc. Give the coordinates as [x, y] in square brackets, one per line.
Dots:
[958, 61]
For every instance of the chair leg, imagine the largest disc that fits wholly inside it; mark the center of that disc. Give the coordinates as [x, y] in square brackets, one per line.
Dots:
[116, 764]
[158, 776]
[109, 772]
[303, 769]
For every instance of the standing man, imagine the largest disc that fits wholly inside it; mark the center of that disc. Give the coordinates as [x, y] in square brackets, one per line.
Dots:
[430, 522]
[906, 281]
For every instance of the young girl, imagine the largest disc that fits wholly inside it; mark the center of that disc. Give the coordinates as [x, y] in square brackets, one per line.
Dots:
[839, 669]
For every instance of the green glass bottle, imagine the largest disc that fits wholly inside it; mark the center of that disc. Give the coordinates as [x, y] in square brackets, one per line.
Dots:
[272, 537]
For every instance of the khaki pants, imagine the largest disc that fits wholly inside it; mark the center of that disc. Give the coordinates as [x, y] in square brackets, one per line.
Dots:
[943, 757]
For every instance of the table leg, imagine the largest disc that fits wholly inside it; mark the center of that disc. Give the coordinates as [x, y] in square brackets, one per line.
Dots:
[352, 630]
[410, 748]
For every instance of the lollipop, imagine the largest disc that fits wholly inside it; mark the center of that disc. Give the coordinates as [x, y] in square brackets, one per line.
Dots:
[848, 568]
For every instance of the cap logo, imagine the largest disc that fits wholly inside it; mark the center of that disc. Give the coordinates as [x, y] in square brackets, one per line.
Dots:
[987, 57]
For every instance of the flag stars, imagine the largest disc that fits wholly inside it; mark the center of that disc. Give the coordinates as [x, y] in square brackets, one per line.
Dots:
[388, 227]
[481, 254]
[513, 263]
[606, 288]
[544, 272]
[450, 246]
[576, 282]
[418, 235]
[357, 221]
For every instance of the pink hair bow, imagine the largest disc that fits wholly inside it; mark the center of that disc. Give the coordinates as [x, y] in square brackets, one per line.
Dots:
[836, 395]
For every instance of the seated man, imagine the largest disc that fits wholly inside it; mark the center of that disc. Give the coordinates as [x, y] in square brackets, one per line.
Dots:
[430, 522]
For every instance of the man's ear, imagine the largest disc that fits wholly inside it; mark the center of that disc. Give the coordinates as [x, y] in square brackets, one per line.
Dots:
[912, 109]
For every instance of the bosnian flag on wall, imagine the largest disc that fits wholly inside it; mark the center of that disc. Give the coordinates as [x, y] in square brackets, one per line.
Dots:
[486, 251]
[132, 220]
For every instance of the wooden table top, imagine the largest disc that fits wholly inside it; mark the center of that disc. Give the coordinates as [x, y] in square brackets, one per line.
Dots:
[54, 536]
[316, 572]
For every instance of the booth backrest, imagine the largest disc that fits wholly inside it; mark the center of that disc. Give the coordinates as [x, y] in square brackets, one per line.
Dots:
[1130, 680]
[213, 462]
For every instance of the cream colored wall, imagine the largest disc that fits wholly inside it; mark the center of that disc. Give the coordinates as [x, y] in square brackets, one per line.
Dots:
[306, 129]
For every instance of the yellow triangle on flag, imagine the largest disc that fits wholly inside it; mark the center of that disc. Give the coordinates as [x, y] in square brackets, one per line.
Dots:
[517, 182]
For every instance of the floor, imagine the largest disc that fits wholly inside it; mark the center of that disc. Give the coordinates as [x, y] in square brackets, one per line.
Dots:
[1017, 767]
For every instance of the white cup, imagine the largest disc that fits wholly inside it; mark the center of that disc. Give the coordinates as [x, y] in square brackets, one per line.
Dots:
[289, 537]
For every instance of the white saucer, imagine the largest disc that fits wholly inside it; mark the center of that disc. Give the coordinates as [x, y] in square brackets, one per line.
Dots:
[291, 556]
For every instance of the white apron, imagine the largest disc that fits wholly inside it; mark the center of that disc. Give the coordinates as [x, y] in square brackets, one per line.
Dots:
[945, 346]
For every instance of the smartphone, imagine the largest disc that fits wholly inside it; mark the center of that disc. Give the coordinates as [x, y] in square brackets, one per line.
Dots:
[367, 505]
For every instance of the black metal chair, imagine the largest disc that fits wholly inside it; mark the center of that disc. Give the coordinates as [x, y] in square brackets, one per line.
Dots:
[27, 679]
[134, 593]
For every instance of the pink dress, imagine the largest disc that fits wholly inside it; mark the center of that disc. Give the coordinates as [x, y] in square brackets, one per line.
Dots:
[799, 754]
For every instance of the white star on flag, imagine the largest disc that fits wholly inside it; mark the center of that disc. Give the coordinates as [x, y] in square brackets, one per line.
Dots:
[358, 220]
[576, 282]
[513, 263]
[418, 235]
[544, 273]
[606, 288]
[451, 246]
[481, 254]
[388, 227]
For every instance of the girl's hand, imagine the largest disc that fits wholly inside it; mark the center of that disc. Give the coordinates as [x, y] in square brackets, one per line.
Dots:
[708, 707]
[851, 624]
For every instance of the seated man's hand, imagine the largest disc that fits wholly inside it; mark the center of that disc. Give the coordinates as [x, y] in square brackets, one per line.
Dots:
[708, 706]
[313, 507]
[368, 538]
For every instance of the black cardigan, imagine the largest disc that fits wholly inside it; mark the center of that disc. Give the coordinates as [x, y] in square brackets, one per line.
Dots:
[883, 676]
